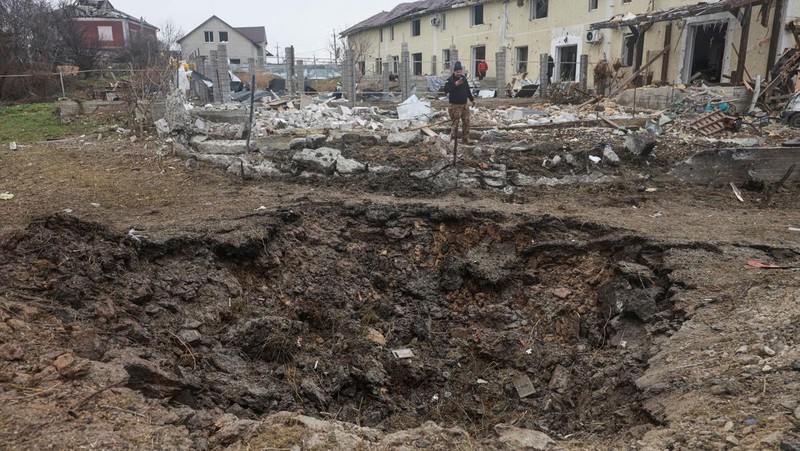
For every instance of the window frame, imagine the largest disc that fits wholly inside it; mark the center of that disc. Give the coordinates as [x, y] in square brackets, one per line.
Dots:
[105, 31]
[208, 36]
[416, 28]
[416, 64]
[473, 13]
[594, 4]
[534, 5]
[219, 33]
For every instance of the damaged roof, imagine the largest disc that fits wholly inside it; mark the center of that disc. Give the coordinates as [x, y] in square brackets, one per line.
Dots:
[401, 12]
[105, 10]
[680, 12]
[256, 35]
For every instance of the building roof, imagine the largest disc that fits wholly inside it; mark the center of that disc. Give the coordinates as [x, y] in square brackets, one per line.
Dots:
[252, 34]
[680, 12]
[105, 10]
[255, 34]
[401, 12]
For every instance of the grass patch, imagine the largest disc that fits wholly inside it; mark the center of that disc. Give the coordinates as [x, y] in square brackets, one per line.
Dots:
[38, 122]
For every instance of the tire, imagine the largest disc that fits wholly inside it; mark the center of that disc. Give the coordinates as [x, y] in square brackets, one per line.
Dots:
[794, 120]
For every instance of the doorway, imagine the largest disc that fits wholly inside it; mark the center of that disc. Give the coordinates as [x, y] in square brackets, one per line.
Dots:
[567, 63]
[478, 55]
[706, 51]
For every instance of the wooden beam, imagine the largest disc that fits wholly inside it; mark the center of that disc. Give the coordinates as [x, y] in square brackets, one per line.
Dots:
[665, 62]
[777, 27]
[640, 45]
[743, 43]
[636, 74]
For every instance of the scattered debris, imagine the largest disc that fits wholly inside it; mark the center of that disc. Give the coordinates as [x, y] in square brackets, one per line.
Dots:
[737, 192]
[524, 386]
[6, 196]
[404, 353]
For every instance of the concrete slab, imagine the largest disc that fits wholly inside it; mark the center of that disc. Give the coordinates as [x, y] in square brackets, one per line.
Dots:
[722, 166]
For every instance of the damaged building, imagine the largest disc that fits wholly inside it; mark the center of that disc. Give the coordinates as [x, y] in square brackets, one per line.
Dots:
[647, 41]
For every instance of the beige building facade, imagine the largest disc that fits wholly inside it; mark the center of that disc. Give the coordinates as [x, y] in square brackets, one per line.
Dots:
[704, 39]
[242, 43]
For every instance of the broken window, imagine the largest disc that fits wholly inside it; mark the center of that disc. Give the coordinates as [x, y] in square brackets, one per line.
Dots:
[415, 28]
[477, 15]
[444, 21]
[380, 32]
[522, 59]
[379, 66]
[235, 61]
[209, 36]
[628, 46]
[362, 67]
[391, 33]
[417, 61]
[105, 33]
[706, 51]
[223, 36]
[539, 9]
[568, 63]
[396, 64]
[446, 58]
[592, 4]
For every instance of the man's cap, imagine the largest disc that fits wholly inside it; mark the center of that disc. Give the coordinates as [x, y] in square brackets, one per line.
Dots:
[457, 66]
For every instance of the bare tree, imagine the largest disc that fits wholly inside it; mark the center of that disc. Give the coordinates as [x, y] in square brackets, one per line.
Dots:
[335, 47]
[361, 46]
[169, 34]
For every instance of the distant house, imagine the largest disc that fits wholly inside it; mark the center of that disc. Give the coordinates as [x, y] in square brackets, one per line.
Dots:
[242, 42]
[106, 28]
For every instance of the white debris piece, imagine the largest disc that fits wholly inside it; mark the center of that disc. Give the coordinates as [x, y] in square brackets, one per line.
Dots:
[414, 108]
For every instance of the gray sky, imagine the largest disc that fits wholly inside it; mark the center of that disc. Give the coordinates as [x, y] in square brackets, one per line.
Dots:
[306, 24]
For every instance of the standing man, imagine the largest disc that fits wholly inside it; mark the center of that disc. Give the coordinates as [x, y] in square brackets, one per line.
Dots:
[483, 67]
[458, 91]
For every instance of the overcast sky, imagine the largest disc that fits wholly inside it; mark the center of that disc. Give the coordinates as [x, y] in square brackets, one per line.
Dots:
[306, 24]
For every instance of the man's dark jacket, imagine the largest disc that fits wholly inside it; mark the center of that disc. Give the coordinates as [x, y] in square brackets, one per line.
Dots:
[458, 94]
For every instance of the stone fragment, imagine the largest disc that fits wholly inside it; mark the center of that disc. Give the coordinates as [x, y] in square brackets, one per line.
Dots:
[404, 137]
[527, 439]
[70, 366]
[610, 157]
[348, 166]
[322, 160]
[639, 145]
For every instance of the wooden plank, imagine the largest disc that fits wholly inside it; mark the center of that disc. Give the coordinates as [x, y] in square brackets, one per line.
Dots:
[428, 131]
[665, 61]
[743, 41]
[652, 60]
[611, 123]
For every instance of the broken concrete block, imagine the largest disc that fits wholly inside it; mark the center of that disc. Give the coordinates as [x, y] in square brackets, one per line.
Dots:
[518, 179]
[404, 137]
[234, 147]
[322, 160]
[610, 157]
[640, 145]
[345, 110]
[162, 127]
[297, 143]
[348, 166]
[518, 438]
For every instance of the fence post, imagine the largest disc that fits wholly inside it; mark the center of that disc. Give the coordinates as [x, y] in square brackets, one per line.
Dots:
[288, 60]
[350, 69]
[453, 55]
[215, 76]
[584, 73]
[544, 80]
[224, 75]
[500, 70]
[301, 77]
[385, 87]
[405, 73]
